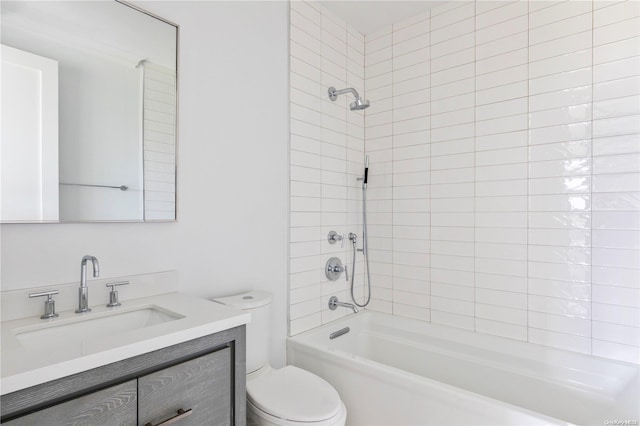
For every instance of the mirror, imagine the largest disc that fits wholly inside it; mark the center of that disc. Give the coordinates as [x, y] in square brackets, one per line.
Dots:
[89, 113]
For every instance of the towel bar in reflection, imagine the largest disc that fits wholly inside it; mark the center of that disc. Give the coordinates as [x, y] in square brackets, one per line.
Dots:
[121, 187]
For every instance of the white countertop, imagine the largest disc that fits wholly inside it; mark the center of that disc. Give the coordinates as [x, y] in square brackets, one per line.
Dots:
[22, 368]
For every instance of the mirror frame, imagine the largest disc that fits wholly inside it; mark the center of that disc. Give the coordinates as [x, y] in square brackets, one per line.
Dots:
[176, 144]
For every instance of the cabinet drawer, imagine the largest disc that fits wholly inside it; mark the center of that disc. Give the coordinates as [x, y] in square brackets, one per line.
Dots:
[112, 406]
[202, 385]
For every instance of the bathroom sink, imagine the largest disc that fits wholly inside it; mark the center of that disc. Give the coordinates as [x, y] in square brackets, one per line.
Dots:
[35, 351]
[73, 331]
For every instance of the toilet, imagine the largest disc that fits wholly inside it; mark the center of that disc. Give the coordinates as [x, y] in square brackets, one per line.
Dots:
[287, 396]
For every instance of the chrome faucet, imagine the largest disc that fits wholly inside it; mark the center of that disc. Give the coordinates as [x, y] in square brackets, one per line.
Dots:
[83, 293]
[334, 303]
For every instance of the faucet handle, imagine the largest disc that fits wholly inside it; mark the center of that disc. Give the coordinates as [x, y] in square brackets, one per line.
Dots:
[49, 304]
[113, 294]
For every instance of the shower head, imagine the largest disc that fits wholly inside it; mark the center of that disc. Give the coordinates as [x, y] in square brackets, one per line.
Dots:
[357, 105]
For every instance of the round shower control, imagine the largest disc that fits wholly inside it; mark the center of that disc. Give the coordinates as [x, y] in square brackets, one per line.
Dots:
[333, 269]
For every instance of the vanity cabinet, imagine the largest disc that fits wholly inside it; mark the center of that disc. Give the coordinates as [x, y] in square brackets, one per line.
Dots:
[115, 405]
[184, 392]
[196, 383]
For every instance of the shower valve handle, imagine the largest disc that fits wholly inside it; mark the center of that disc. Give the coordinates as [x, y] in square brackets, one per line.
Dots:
[334, 237]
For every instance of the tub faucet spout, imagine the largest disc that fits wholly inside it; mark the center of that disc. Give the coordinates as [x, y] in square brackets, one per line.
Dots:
[83, 293]
[334, 303]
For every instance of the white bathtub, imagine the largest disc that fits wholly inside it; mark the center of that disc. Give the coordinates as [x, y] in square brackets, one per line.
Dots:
[396, 371]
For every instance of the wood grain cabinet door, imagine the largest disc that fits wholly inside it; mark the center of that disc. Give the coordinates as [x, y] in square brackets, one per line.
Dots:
[114, 406]
[193, 393]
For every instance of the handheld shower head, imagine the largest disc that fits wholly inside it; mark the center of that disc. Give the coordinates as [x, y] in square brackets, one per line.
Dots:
[355, 106]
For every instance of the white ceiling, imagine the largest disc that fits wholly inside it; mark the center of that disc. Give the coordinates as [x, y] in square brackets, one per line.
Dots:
[369, 16]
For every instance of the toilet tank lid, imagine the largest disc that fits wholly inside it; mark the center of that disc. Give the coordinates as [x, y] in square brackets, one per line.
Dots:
[249, 300]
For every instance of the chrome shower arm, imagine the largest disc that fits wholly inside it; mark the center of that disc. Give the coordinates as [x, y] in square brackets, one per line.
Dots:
[351, 90]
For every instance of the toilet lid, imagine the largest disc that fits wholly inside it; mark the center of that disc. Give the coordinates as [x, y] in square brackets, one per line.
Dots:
[291, 393]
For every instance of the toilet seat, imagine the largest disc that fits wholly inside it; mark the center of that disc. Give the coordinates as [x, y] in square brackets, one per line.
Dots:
[294, 395]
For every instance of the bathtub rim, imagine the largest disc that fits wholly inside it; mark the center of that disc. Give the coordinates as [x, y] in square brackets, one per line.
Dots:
[308, 342]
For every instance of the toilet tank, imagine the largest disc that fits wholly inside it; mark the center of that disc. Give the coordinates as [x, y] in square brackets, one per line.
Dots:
[258, 303]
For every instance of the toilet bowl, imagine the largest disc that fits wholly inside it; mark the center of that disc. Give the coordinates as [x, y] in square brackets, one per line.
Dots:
[287, 396]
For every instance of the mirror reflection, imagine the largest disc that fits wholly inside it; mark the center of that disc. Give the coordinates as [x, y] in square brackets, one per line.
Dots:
[88, 113]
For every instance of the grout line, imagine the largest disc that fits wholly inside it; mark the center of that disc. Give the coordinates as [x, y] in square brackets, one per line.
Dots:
[591, 192]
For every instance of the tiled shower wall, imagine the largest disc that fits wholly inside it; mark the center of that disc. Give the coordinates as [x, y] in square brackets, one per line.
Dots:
[504, 140]
[505, 168]
[326, 157]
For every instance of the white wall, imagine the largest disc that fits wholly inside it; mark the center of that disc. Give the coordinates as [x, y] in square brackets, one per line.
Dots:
[505, 163]
[231, 233]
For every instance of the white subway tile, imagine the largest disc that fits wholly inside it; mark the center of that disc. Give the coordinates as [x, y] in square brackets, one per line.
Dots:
[616, 333]
[560, 82]
[453, 60]
[513, 203]
[411, 152]
[616, 88]
[616, 126]
[560, 272]
[452, 298]
[452, 320]
[623, 68]
[621, 296]
[559, 289]
[616, 220]
[501, 125]
[623, 239]
[501, 109]
[449, 90]
[407, 86]
[612, 12]
[561, 307]
[575, 255]
[627, 163]
[503, 61]
[616, 51]
[410, 45]
[616, 277]
[616, 182]
[449, 46]
[616, 258]
[509, 10]
[616, 351]
[501, 282]
[411, 72]
[568, 167]
[562, 46]
[442, 29]
[501, 141]
[501, 172]
[501, 219]
[501, 30]
[560, 340]
[452, 205]
[501, 267]
[453, 75]
[559, 29]
[502, 329]
[501, 93]
[618, 31]
[560, 324]
[616, 315]
[501, 313]
[626, 201]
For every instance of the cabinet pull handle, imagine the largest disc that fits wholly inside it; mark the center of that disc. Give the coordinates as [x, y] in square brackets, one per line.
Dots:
[181, 415]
